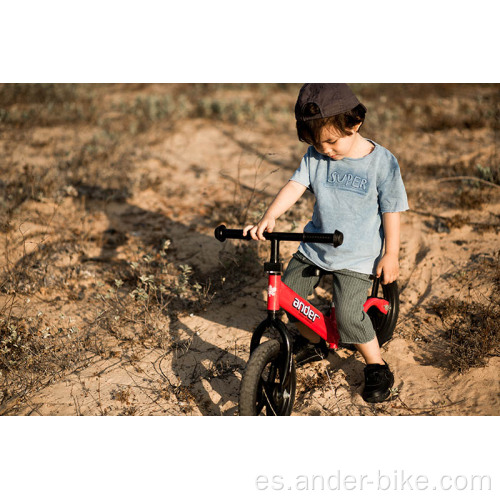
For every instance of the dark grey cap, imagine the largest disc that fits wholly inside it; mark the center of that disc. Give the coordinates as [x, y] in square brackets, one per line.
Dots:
[331, 98]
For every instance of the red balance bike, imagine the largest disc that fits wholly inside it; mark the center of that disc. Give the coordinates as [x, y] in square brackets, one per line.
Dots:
[268, 383]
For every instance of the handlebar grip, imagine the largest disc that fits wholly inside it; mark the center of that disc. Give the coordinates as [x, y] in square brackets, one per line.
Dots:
[336, 239]
[222, 234]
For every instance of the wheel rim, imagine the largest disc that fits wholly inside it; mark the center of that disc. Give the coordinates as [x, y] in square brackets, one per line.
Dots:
[269, 394]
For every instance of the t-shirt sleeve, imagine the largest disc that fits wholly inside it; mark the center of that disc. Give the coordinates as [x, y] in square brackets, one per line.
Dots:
[302, 174]
[391, 190]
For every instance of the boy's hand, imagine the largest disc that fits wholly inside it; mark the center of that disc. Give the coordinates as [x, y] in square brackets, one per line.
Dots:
[287, 196]
[389, 267]
[257, 231]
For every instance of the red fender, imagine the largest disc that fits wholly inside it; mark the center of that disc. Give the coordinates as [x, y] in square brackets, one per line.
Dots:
[381, 304]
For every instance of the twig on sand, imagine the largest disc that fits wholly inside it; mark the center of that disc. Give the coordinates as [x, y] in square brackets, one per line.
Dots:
[334, 391]
[8, 403]
[429, 408]
[244, 186]
[468, 178]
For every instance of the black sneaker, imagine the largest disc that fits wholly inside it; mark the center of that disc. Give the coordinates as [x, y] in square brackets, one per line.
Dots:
[307, 352]
[378, 382]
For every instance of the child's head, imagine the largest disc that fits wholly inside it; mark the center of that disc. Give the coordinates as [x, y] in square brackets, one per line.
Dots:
[331, 106]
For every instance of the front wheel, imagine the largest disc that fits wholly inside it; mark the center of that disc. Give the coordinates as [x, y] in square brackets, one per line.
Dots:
[260, 391]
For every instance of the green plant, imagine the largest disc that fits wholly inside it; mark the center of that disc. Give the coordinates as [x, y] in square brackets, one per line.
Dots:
[490, 174]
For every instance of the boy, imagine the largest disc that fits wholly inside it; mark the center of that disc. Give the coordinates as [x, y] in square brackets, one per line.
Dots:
[359, 191]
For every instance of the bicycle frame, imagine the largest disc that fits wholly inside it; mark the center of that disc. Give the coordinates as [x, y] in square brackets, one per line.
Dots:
[280, 296]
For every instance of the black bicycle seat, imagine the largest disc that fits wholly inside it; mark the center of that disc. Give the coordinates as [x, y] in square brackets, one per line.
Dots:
[313, 270]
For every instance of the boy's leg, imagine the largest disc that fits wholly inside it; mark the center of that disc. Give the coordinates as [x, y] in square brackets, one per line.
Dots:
[350, 290]
[299, 278]
[371, 352]
[306, 332]
[355, 327]
[301, 282]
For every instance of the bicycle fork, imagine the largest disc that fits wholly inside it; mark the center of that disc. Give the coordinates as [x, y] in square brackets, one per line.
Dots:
[281, 296]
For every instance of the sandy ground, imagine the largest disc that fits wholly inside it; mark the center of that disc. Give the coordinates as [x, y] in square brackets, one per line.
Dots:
[194, 173]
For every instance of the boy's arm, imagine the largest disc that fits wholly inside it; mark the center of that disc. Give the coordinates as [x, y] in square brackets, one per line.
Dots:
[287, 197]
[389, 263]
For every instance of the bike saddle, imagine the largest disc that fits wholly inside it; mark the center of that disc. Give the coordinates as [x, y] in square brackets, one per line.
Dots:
[313, 270]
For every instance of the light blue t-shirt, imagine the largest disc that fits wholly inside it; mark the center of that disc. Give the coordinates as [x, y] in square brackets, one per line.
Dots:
[351, 196]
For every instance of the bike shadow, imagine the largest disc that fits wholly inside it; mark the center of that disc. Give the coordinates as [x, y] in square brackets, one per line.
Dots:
[212, 373]
[207, 373]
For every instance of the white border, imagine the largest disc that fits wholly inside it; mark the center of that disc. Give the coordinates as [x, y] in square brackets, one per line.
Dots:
[261, 41]
[203, 457]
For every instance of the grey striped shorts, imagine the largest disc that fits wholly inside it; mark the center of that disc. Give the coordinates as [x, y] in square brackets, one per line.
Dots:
[349, 294]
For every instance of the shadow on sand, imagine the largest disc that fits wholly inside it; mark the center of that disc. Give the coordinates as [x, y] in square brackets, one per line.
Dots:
[201, 367]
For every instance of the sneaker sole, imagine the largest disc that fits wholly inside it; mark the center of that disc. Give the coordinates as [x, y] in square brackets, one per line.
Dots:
[378, 397]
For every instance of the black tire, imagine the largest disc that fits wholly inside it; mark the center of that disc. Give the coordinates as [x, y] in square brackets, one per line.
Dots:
[260, 385]
[384, 324]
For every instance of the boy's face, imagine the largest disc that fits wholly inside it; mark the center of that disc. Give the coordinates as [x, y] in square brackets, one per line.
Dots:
[334, 145]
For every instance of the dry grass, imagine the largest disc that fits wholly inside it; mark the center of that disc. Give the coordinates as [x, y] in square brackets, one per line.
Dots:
[471, 330]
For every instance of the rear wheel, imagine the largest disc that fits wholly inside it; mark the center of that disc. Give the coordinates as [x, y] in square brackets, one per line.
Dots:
[260, 391]
[384, 324]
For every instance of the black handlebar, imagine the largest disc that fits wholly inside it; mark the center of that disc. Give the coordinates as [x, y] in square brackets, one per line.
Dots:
[336, 239]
